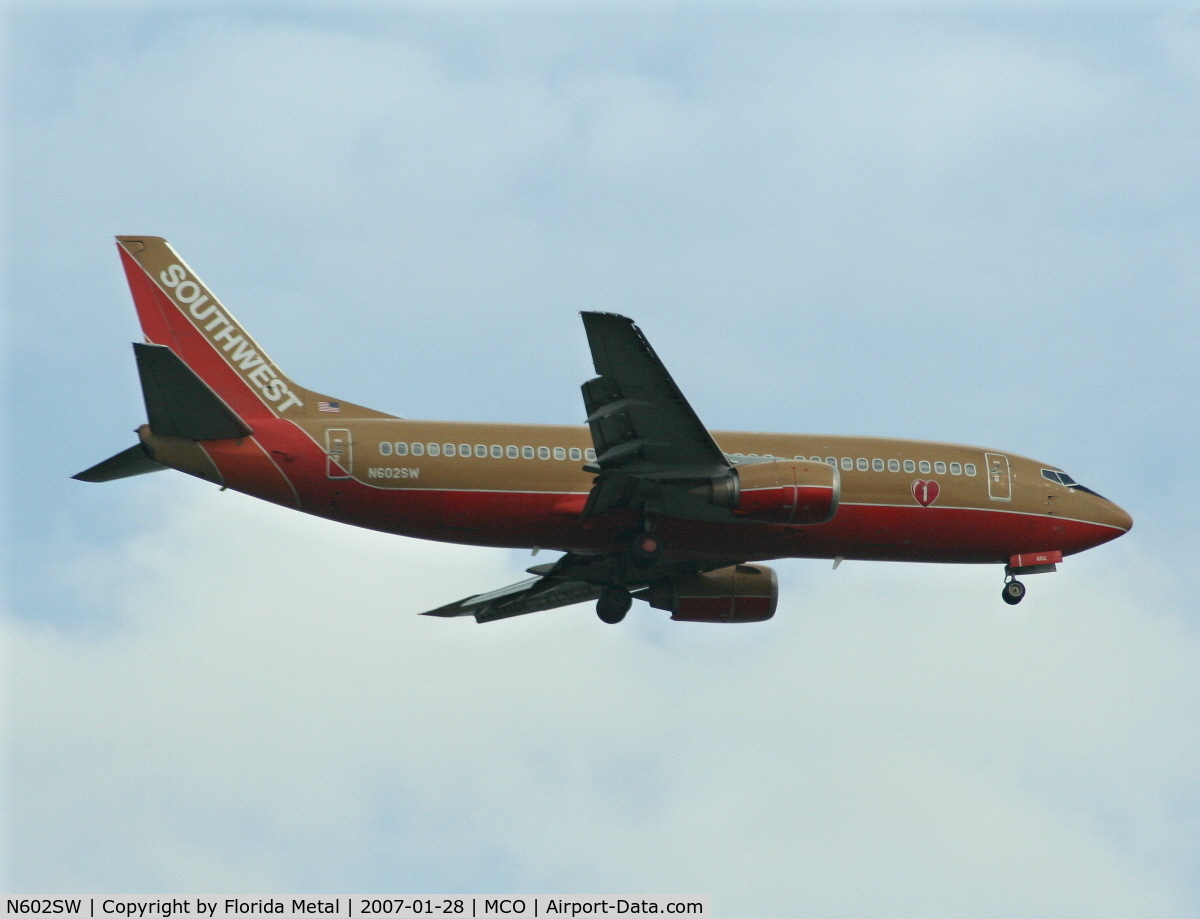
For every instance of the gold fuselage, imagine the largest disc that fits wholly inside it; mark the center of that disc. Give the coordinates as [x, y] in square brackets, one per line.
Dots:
[368, 472]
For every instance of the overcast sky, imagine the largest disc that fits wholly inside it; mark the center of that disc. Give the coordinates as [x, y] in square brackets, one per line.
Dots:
[977, 224]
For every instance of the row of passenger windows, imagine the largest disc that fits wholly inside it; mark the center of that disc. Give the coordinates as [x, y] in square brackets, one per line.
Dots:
[483, 450]
[877, 465]
[576, 455]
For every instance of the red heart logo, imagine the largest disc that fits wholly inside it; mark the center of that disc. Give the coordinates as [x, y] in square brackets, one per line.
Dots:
[925, 492]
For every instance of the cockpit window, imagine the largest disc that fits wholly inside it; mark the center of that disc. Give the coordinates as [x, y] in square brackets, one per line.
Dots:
[1063, 479]
[1060, 477]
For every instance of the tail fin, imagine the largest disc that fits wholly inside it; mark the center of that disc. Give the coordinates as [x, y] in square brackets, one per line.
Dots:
[176, 310]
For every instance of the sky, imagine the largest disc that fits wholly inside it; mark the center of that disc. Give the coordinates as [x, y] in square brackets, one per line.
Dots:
[976, 223]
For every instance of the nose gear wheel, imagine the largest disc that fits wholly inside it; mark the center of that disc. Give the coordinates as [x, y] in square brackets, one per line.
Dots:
[1014, 592]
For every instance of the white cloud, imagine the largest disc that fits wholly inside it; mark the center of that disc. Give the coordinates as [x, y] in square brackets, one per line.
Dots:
[946, 225]
[272, 715]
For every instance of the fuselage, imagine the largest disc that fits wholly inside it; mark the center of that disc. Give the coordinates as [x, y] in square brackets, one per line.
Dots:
[523, 486]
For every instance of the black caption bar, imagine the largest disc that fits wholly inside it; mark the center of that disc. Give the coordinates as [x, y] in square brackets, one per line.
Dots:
[475, 907]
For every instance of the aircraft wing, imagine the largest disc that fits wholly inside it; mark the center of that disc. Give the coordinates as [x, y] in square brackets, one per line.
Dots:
[531, 596]
[645, 433]
[637, 414]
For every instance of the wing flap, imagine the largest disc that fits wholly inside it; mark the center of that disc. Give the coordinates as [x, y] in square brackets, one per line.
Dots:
[529, 596]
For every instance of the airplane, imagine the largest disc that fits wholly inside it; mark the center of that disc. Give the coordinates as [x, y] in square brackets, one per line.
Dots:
[644, 501]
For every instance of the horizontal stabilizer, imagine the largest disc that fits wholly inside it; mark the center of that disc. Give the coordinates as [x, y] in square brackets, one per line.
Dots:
[134, 461]
[179, 403]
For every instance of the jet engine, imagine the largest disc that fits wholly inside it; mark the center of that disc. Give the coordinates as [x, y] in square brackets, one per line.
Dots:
[779, 491]
[741, 593]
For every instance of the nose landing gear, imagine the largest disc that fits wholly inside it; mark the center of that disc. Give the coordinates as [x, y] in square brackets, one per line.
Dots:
[1014, 591]
[1026, 563]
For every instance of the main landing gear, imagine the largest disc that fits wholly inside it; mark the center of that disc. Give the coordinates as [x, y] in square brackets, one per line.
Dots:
[642, 551]
[613, 604]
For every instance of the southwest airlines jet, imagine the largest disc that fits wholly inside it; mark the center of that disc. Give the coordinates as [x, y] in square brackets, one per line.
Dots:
[644, 502]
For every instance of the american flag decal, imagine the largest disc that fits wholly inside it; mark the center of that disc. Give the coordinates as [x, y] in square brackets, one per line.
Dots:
[329, 407]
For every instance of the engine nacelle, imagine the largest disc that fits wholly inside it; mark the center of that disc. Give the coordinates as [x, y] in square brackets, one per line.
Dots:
[780, 491]
[741, 593]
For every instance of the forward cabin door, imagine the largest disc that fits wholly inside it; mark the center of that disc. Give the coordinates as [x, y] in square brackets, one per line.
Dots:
[999, 478]
[339, 453]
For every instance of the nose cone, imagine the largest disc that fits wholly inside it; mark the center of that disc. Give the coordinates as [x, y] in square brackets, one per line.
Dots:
[1120, 517]
[1109, 515]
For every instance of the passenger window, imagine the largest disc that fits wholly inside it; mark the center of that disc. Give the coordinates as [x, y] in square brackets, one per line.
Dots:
[832, 461]
[402, 449]
[576, 455]
[877, 465]
[560, 453]
[513, 453]
[970, 468]
[893, 465]
[527, 452]
[814, 459]
[939, 468]
[543, 453]
[590, 454]
[956, 468]
[464, 449]
[434, 450]
[925, 467]
[847, 463]
[910, 466]
[863, 466]
[418, 449]
[497, 451]
[448, 449]
[385, 449]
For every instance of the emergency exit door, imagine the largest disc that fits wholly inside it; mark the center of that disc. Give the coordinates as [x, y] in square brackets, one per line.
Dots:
[999, 477]
[339, 453]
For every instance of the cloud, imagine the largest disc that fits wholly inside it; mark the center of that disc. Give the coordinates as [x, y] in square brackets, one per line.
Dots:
[270, 715]
[923, 224]
[939, 192]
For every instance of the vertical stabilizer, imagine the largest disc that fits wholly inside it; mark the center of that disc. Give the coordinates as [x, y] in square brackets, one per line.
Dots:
[177, 310]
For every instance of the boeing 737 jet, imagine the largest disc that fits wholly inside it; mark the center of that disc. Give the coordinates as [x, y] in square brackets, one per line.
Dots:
[644, 501]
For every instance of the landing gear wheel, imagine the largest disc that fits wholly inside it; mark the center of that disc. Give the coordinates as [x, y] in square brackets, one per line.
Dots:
[645, 548]
[1013, 593]
[613, 604]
